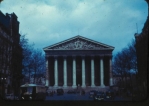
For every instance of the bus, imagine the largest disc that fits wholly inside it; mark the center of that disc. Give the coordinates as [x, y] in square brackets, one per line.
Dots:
[32, 92]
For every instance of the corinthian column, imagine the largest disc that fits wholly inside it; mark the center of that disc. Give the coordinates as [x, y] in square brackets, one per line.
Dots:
[47, 72]
[65, 71]
[92, 72]
[110, 71]
[55, 71]
[83, 71]
[74, 72]
[101, 72]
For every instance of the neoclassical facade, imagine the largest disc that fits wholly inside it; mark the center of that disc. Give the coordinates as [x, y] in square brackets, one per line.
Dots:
[79, 61]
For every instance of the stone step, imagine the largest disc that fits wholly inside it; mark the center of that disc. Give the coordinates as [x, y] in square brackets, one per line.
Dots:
[86, 89]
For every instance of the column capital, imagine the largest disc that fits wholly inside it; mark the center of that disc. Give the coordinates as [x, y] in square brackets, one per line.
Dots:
[83, 56]
[109, 55]
[92, 56]
[64, 56]
[73, 56]
[46, 57]
[55, 56]
[101, 56]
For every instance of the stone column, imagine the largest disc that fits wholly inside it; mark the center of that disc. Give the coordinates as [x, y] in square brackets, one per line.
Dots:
[55, 71]
[47, 72]
[92, 72]
[74, 72]
[110, 71]
[101, 72]
[65, 71]
[83, 71]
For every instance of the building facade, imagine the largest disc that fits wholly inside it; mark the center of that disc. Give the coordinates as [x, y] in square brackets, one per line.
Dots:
[142, 55]
[79, 62]
[10, 53]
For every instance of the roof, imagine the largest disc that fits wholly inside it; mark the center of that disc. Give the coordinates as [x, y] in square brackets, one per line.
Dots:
[78, 43]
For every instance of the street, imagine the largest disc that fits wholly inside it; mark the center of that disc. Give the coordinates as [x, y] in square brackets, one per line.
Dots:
[78, 97]
[69, 97]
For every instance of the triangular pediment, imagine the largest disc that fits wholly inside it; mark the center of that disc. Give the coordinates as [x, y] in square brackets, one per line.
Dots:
[78, 43]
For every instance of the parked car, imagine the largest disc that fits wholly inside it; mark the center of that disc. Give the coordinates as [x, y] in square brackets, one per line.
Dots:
[92, 93]
[60, 91]
[99, 96]
[11, 97]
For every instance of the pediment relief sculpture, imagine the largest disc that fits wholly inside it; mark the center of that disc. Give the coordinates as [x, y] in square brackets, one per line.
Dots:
[78, 45]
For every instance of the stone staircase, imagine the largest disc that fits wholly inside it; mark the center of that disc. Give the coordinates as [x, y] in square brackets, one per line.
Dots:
[79, 88]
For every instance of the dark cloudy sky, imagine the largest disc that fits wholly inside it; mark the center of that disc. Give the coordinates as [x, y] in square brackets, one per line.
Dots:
[46, 22]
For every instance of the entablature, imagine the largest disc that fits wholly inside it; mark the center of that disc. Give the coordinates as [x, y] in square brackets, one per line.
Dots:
[78, 52]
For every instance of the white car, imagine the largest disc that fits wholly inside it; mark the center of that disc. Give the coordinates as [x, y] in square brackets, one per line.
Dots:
[11, 97]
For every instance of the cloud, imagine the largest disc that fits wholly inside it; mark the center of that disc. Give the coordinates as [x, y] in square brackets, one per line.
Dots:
[50, 21]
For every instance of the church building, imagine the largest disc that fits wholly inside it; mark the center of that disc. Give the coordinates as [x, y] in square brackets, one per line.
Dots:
[79, 62]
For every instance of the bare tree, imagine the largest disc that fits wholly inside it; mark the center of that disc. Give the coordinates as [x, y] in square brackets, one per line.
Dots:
[27, 53]
[125, 62]
[33, 59]
[38, 61]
